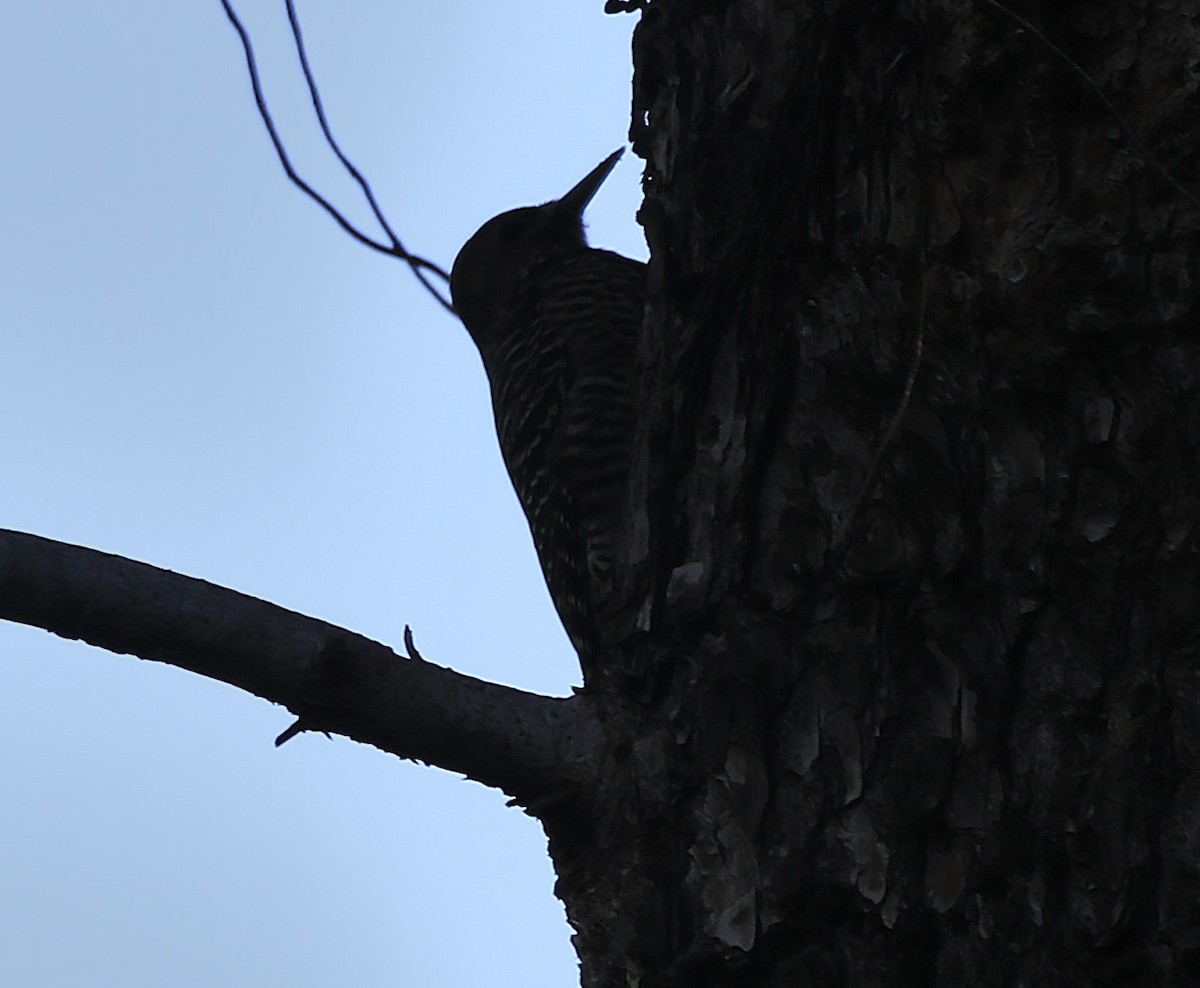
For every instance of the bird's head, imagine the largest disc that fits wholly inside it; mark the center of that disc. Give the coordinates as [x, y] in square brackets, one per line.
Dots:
[492, 265]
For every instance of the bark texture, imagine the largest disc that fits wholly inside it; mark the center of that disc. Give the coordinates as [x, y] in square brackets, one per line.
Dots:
[913, 706]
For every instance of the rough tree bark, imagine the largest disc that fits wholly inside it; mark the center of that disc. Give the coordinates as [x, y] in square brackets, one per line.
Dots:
[915, 698]
[918, 707]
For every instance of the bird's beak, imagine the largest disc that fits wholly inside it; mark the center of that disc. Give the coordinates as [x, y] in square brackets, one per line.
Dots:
[575, 201]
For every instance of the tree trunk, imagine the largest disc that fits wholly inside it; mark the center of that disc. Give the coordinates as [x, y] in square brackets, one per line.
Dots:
[917, 698]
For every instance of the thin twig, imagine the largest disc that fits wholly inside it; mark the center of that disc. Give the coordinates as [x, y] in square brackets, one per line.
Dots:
[419, 265]
[889, 434]
[918, 347]
[299, 727]
[1132, 136]
[411, 646]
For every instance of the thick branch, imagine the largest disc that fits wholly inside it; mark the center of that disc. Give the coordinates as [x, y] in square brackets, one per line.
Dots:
[533, 747]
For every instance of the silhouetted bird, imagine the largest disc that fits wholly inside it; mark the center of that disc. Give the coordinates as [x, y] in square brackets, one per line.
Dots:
[557, 323]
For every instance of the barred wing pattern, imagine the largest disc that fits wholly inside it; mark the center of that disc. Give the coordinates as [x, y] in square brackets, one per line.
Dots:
[564, 394]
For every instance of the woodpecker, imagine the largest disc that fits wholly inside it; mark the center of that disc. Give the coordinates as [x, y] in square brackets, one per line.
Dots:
[557, 324]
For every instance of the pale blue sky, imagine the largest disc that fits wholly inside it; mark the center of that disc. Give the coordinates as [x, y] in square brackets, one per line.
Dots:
[201, 371]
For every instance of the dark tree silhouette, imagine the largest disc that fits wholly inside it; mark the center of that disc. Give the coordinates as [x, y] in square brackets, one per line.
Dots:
[915, 698]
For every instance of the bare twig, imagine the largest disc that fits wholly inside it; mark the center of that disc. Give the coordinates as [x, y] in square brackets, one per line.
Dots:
[420, 266]
[1132, 137]
[410, 646]
[918, 350]
[918, 346]
[299, 727]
